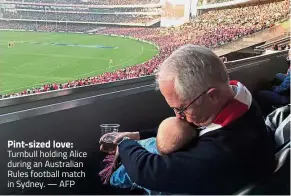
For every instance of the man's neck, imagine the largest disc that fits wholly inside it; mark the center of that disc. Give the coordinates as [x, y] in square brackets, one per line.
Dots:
[226, 95]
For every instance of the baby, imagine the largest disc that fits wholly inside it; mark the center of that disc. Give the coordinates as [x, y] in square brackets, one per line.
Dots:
[173, 135]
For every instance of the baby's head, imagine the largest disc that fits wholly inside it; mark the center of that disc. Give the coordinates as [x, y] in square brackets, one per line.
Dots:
[174, 134]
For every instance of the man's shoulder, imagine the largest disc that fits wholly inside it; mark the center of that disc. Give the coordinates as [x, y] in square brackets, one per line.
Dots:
[252, 120]
[245, 143]
[246, 132]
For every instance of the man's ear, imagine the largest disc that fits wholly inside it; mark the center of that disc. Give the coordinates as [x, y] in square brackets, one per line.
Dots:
[213, 94]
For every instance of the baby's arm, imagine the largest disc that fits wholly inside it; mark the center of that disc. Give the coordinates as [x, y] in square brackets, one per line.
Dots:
[120, 178]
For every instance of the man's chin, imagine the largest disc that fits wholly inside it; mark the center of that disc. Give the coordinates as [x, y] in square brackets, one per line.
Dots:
[194, 125]
[199, 124]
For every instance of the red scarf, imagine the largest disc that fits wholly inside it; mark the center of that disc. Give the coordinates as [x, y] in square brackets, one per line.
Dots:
[234, 109]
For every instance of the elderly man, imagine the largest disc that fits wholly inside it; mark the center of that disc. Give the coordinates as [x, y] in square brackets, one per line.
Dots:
[233, 148]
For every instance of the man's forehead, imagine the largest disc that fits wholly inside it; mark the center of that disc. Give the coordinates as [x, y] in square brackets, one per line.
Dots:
[167, 90]
[166, 84]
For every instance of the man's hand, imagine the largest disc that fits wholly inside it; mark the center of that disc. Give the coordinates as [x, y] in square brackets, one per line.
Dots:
[119, 136]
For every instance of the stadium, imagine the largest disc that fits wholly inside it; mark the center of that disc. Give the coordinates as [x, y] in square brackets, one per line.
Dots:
[69, 66]
[57, 65]
[81, 58]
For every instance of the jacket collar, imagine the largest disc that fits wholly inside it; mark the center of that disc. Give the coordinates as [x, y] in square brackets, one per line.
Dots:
[234, 109]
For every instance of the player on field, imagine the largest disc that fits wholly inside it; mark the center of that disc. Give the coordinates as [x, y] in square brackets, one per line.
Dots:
[10, 44]
[110, 63]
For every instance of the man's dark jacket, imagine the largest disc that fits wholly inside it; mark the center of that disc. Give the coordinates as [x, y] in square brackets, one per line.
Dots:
[219, 162]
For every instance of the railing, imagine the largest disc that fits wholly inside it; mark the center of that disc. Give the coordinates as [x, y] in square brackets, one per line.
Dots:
[287, 34]
[277, 41]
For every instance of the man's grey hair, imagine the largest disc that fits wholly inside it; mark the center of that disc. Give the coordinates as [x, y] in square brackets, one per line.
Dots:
[193, 69]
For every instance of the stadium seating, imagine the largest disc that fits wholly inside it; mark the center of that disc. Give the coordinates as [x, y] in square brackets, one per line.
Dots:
[210, 29]
[82, 17]
[94, 2]
[49, 27]
[205, 2]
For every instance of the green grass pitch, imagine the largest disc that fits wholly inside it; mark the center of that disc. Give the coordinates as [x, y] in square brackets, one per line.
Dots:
[39, 58]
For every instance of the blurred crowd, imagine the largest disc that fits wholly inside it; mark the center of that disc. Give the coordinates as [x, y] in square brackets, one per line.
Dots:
[210, 29]
[50, 27]
[94, 2]
[86, 9]
[121, 74]
[206, 2]
[83, 17]
[213, 28]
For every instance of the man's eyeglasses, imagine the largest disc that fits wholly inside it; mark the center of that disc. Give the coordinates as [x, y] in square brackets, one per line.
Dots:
[182, 111]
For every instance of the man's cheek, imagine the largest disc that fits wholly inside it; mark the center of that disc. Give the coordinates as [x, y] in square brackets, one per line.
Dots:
[191, 119]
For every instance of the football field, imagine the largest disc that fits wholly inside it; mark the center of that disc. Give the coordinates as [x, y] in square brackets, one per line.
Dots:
[38, 58]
